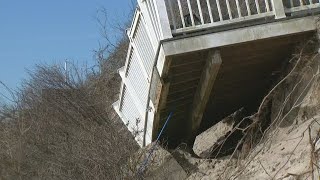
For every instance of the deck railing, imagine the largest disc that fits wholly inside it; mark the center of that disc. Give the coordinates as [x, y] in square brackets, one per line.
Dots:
[157, 20]
[300, 5]
[182, 16]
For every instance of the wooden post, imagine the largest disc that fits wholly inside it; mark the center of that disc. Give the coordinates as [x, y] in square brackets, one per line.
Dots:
[203, 91]
[162, 96]
[278, 9]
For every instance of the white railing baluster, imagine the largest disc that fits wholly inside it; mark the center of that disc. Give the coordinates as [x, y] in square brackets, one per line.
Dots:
[229, 9]
[310, 2]
[301, 2]
[291, 4]
[248, 8]
[258, 6]
[210, 11]
[200, 11]
[181, 14]
[190, 12]
[219, 10]
[172, 15]
[278, 9]
[238, 8]
[234, 10]
[267, 5]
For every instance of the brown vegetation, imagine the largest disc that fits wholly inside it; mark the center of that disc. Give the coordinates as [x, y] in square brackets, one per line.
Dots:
[65, 128]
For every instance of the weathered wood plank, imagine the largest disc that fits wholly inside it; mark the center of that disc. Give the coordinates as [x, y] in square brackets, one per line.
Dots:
[202, 94]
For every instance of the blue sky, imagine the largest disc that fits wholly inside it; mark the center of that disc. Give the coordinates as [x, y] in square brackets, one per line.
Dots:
[50, 31]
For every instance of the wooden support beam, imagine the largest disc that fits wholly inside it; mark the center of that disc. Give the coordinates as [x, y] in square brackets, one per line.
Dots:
[162, 97]
[205, 86]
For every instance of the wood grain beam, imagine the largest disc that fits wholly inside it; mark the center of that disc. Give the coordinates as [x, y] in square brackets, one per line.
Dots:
[205, 86]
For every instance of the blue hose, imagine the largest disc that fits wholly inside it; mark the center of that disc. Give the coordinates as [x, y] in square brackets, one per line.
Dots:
[145, 162]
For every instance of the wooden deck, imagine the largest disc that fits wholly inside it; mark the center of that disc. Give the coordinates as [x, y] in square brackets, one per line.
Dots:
[172, 62]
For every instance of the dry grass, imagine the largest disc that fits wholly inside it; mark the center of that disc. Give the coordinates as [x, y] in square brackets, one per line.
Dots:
[55, 129]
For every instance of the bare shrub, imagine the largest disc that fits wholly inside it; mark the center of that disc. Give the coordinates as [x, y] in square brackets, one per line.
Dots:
[62, 130]
[65, 128]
